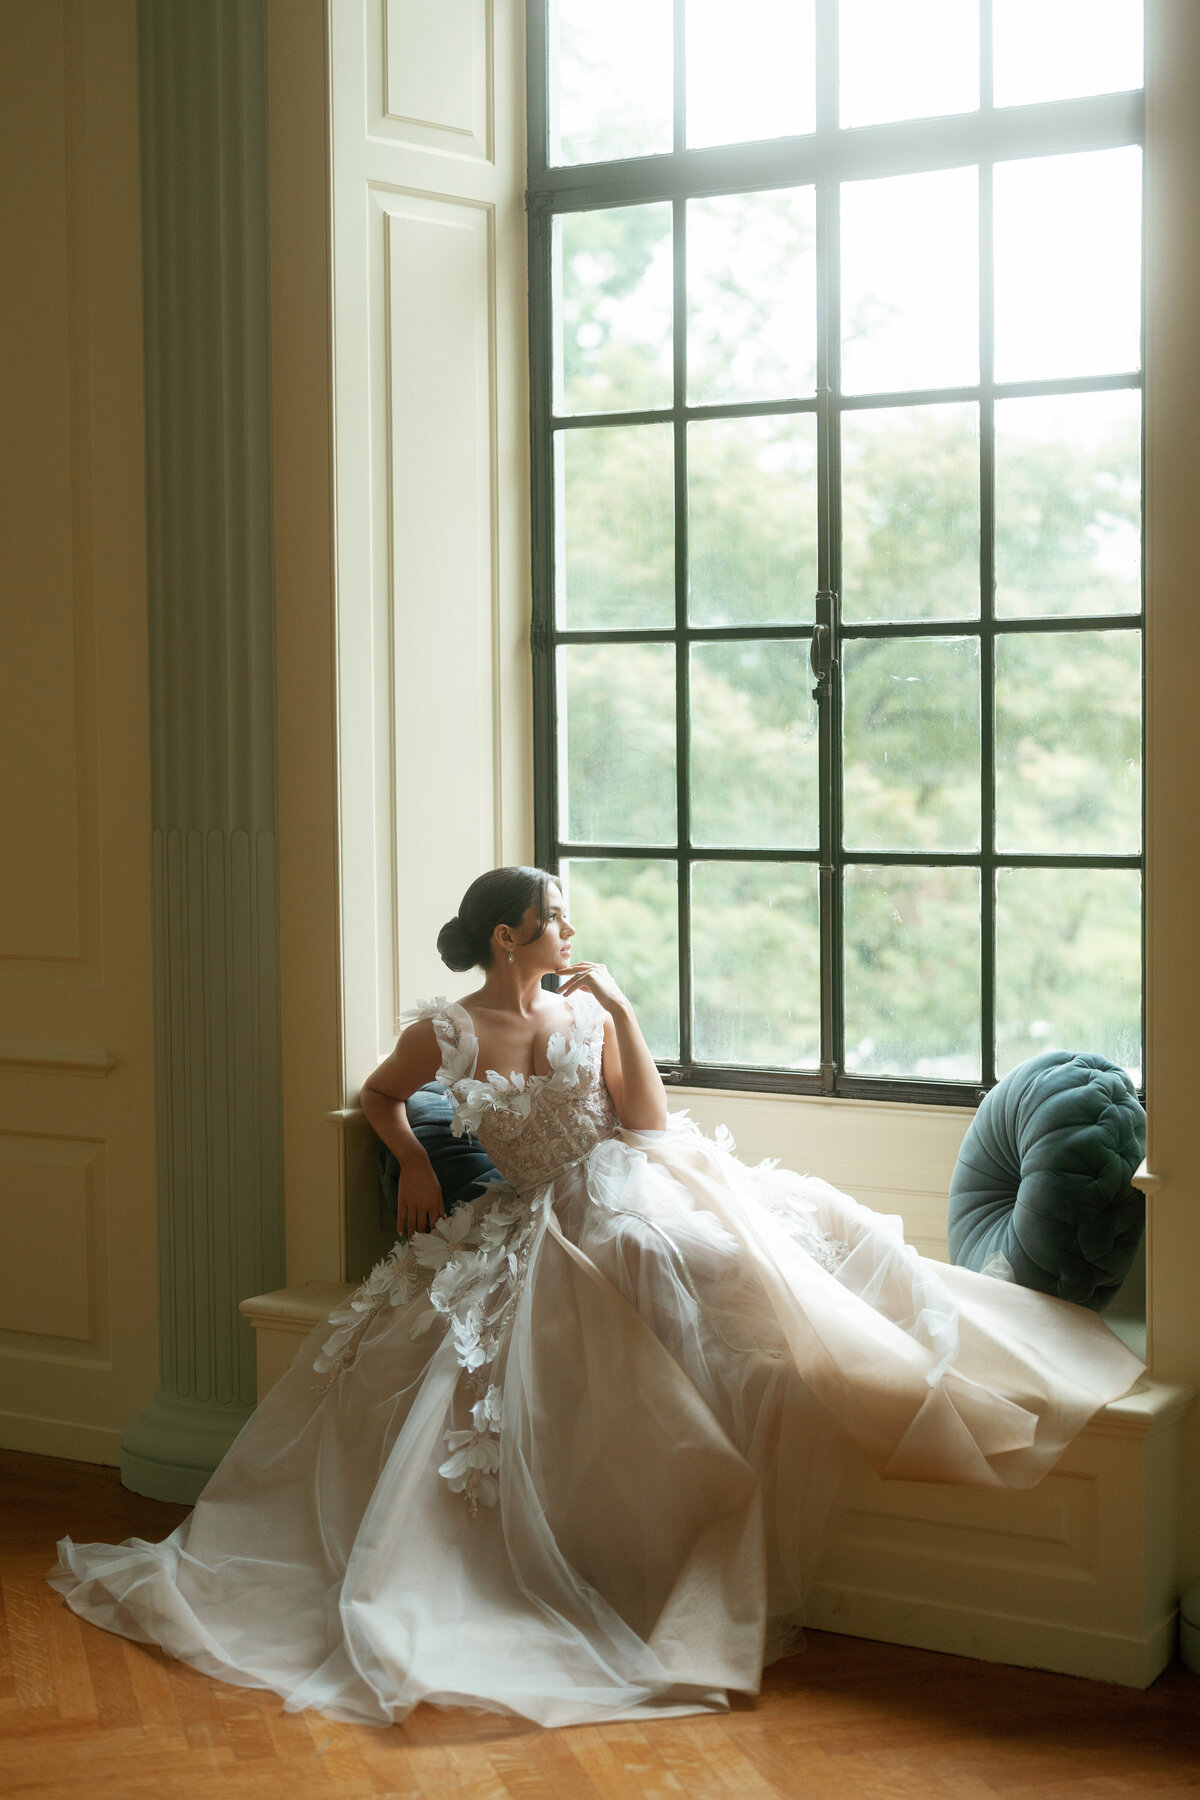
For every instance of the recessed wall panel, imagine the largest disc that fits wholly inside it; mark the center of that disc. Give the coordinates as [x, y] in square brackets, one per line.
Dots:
[39, 801]
[50, 1189]
[436, 75]
[437, 494]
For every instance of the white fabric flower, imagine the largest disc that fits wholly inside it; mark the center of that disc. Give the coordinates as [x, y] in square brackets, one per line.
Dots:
[433, 1249]
[472, 1466]
[393, 1282]
[460, 1275]
[456, 1040]
[467, 1328]
[485, 1413]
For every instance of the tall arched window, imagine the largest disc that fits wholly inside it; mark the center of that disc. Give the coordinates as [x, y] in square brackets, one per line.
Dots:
[836, 373]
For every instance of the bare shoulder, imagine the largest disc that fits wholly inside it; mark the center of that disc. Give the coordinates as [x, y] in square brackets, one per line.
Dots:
[418, 1037]
[414, 1061]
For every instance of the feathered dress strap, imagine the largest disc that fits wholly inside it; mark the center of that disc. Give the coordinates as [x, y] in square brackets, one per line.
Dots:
[589, 1019]
[455, 1035]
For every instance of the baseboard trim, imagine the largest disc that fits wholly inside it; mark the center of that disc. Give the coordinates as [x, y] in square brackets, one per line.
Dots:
[60, 1437]
[1128, 1661]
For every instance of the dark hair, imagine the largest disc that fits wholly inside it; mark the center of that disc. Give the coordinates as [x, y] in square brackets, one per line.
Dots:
[501, 897]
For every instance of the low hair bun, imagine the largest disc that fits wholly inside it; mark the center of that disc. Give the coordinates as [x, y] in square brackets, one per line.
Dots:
[456, 946]
[500, 897]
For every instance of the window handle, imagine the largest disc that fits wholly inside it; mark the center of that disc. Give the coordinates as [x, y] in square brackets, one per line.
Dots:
[821, 657]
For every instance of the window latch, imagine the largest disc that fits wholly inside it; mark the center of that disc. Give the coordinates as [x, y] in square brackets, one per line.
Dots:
[822, 659]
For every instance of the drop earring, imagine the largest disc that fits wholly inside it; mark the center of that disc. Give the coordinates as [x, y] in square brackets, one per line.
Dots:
[511, 957]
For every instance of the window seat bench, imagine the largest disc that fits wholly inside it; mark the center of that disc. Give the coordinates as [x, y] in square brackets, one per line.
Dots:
[1076, 1575]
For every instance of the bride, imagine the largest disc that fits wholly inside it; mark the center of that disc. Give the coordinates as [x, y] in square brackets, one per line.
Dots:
[568, 1452]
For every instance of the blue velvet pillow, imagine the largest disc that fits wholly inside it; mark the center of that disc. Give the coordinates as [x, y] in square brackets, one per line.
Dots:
[460, 1165]
[1043, 1178]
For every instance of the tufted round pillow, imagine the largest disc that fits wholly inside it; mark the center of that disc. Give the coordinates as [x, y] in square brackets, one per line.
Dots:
[1043, 1178]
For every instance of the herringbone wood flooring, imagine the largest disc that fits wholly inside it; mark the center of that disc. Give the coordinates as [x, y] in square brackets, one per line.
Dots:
[86, 1715]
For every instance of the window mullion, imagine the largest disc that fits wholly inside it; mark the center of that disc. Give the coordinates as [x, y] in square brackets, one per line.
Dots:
[987, 611]
[682, 649]
[542, 532]
[828, 532]
[679, 93]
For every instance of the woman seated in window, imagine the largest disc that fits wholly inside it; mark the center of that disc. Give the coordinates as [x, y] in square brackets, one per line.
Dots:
[569, 1451]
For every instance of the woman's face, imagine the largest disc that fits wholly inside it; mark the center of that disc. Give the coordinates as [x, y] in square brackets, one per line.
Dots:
[551, 951]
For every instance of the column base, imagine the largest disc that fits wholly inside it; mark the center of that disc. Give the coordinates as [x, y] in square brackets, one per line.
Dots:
[169, 1451]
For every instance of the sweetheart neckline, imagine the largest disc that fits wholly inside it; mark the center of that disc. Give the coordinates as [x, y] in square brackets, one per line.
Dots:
[558, 1044]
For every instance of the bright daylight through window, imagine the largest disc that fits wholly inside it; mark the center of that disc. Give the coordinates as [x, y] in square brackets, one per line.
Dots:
[836, 338]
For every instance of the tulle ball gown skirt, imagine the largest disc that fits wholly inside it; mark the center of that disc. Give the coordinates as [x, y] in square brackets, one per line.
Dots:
[571, 1455]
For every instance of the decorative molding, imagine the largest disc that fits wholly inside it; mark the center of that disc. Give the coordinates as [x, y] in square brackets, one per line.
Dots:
[283, 1320]
[212, 723]
[1145, 1182]
[436, 75]
[74, 1442]
[296, 1308]
[29, 1055]
[433, 335]
[1129, 1659]
[1077, 1574]
[53, 1273]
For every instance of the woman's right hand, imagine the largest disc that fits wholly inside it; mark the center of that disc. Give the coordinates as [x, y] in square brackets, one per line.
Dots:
[419, 1203]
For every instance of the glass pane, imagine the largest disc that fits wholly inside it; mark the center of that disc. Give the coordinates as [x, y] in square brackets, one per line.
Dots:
[753, 77]
[757, 958]
[1054, 49]
[1069, 504]
[615, 77]
[752, 296]
[911, 732]
[612, 308]
[1069, 964]
[1068, 743]
[912, 973]
[626, 913]
[615, 508]
[910, 513]
[1068, 265]
[752, 520]
[910, 282]
[616, 723]
[907, 62]
[753, 746]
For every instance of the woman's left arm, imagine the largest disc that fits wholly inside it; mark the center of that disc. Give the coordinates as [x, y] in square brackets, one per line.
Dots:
[630, 1073]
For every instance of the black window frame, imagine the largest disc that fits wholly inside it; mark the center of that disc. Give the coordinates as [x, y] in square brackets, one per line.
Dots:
[824, 158]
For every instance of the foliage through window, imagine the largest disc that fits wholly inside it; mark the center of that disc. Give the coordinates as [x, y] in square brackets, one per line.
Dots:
[836, 360]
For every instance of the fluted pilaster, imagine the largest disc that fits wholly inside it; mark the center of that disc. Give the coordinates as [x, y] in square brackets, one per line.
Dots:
[212, 712]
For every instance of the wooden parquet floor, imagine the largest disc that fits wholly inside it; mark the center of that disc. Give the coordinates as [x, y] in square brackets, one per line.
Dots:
[93, 1717]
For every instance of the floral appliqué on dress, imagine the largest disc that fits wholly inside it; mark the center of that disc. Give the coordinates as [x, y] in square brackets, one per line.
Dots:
[473, 1265]
[474, 1262]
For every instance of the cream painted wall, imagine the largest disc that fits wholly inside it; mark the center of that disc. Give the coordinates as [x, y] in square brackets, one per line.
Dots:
[78, 1331]
[1173, 721]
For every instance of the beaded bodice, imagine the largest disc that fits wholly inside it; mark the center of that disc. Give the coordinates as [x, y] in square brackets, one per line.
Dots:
[532, 1126]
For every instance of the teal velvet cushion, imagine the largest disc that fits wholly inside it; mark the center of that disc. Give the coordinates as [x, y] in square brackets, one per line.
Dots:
[460, 1164]
[1043, 1178]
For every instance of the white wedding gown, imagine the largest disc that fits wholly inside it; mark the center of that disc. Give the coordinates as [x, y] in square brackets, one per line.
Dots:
[570, 1455]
